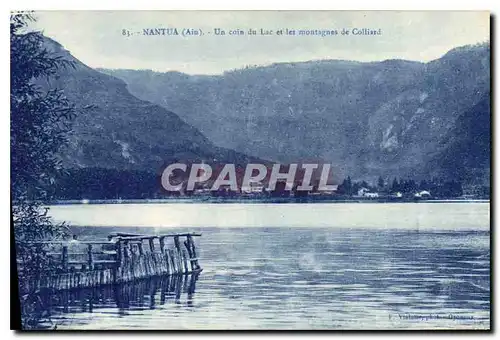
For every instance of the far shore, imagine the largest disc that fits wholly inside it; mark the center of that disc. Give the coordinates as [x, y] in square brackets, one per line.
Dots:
[269, 200]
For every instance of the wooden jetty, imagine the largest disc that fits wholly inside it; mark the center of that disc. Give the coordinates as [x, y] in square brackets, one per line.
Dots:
[122, 258]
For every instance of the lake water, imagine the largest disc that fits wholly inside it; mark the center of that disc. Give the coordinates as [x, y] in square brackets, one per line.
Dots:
[286, 266]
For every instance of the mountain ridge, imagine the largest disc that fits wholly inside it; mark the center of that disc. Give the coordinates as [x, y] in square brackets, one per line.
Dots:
[368, 119]
[120, 131]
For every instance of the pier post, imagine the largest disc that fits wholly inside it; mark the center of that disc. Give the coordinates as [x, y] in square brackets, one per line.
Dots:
[167, 261]
[172, 260]
[187, 244]
[119, 253]
[179, 254]
[126, 251]
[184, 260]
[90, 257]
[193, 250]
[65, 258]
[152, 245]
[162, 244]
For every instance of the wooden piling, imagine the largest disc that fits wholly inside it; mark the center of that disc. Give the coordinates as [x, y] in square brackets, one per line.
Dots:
[178, 254]
[187, 244]
[127, 260]
[185, 262]
[65, 258]
[119, 253]
[162, 244]
[172, 261]
[193, 252]
[167, 261]
[90, 257]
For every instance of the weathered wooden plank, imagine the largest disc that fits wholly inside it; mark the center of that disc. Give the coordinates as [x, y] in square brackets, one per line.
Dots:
[184, 260]
[178, 254]
[193, 252]
[187, 244]
[167, 261]
[147, 237]
[119, 253]
[95, 262]
[162, 244]
[173, 261]
[90, 257]
[126, 250]
[66, 242]
[65, 258]
[164, 263]
[107, 252]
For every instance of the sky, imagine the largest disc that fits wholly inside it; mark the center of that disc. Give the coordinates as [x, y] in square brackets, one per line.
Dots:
[96, 37]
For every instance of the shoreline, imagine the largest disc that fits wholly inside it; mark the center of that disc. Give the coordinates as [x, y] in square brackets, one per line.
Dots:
[288, 200]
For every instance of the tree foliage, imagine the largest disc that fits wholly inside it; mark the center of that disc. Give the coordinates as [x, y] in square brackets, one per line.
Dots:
[40, 120]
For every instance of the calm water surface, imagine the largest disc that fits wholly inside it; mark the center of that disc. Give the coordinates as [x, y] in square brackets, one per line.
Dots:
[409, 275]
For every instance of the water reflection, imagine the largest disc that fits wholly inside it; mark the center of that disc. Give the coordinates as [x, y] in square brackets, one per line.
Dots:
[123, 298]
[302, 278]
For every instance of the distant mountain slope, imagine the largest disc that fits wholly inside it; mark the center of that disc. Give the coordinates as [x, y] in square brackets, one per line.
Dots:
[123, 132]
[369, 119]
[465, 152]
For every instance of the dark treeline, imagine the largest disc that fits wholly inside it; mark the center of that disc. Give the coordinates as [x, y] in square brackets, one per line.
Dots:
[103, 183]
[100, 183]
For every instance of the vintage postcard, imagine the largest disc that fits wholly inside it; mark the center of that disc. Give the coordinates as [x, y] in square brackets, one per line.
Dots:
[237, 170]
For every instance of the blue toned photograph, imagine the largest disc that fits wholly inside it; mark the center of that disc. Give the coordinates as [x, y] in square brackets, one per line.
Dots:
[250, 170]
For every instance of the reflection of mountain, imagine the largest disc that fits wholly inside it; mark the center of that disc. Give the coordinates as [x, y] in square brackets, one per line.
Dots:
[389, 117]
[123, 132]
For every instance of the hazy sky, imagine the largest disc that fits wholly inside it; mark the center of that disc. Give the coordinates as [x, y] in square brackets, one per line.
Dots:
[95, 37]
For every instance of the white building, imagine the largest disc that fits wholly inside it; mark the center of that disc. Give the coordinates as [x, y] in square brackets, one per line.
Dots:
[423, 194]
[363, 191]
[254, 188]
